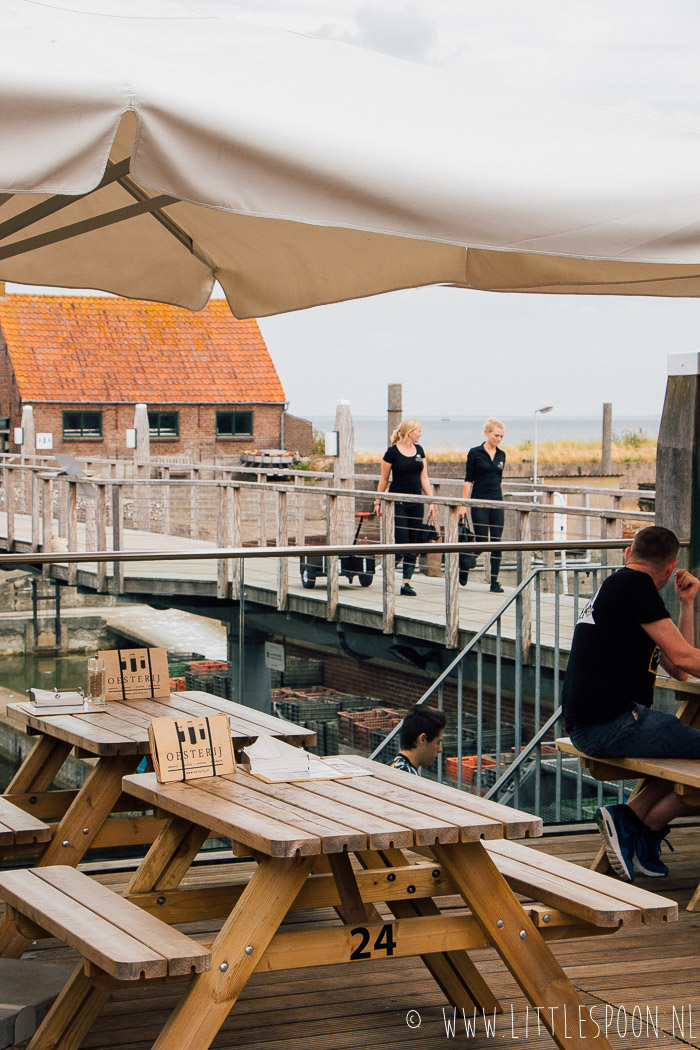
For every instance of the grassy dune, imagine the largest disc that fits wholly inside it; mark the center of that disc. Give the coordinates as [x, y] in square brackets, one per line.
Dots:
[629, 448]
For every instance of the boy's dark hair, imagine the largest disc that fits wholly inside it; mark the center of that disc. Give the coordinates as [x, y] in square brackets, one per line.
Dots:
[421, 719]
[656, 545]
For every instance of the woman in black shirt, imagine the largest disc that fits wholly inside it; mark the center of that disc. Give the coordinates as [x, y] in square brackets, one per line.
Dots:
[482, 480]
[405, 461]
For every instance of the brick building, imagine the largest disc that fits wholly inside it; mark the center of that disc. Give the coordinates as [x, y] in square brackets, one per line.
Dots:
[84, 362]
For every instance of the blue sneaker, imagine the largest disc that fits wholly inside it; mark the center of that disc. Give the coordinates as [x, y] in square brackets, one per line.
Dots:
[620, 830]
[647, 860]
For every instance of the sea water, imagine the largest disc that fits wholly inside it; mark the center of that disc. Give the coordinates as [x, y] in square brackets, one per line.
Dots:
[462, 432]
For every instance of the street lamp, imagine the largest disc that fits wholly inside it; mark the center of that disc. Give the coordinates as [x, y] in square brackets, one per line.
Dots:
[539, 412]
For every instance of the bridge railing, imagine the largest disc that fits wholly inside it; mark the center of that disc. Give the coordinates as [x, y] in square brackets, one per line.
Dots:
[502, 699]
[46, 510]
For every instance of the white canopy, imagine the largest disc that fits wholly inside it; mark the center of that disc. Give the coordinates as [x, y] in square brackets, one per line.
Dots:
[152, 154]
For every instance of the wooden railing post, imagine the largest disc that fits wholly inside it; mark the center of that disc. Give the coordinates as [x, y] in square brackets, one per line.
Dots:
[452, 581]
[524, 564]
[101, 533]
[282, 563]
[388, 568]
[165, 487]
[262, 524]
[46, 513]
[234, 514]
[117, 531]
[332, 565]
[194, 502]
[548, 557]
[300, 509]
[72, 529]
[10, 505]
[222, 540]
[35, 515]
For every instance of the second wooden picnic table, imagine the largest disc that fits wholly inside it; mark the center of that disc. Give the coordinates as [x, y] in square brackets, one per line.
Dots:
[118, 738]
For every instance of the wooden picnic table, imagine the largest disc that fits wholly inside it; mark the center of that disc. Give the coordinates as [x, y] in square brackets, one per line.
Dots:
[118, 738]
[303, 837]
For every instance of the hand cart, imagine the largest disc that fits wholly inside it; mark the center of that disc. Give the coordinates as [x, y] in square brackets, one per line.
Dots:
[313, 566]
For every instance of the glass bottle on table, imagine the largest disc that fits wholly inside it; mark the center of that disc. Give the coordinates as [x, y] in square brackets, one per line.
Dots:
[96, 682]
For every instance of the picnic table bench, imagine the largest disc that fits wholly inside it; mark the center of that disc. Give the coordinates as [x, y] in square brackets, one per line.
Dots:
[683, 773]
[19, 828]
[112, 934]
[387, 839]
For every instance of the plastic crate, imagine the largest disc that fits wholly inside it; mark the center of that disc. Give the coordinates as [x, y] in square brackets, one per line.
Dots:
[299, 671]
[362, 731]
[376, 738]
[347, 719]
[299, 709]
[177, 685]
[221, 685]
[351, 702]
[332, 738]
[177, 668]
[208, 665]
[470, 765]
[199, 680]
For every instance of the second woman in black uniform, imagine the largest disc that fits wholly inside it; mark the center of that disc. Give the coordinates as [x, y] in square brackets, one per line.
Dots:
[482, 480]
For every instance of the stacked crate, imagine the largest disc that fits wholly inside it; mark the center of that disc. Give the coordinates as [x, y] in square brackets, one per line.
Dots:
[363, 730]
[470, 767]
[299, 672]
[355, 727]
[211, 676]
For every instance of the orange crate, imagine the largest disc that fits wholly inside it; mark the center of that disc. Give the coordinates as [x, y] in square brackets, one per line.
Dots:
[177, 685]
[469, 767]
[209, 665]
[362, 731]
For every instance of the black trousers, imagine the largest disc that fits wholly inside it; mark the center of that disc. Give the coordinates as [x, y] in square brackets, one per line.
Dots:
[488, 526]
[408, 528]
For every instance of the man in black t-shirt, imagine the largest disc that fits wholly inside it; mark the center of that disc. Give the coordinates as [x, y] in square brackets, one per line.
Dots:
[621, 636]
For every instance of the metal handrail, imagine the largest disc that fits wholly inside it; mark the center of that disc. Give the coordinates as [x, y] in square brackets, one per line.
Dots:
[245, 553]
[460, 656]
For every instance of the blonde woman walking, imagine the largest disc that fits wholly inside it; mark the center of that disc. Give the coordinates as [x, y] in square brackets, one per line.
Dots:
[405, 463]
[482, 480]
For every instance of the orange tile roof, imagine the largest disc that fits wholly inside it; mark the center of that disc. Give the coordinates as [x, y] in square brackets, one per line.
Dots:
[81, 348]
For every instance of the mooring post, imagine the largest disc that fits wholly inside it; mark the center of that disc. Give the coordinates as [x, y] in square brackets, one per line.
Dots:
[677, 466]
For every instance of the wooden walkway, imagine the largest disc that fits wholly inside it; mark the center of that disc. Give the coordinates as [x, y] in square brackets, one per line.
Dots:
[641, 976]
[422, 617]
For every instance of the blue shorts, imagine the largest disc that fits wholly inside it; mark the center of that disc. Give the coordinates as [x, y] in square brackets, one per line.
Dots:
[640, 732]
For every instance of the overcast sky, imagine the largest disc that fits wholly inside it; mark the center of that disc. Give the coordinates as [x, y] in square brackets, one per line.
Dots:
[477, 353]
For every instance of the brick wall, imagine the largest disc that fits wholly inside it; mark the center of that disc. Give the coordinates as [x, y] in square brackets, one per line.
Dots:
[298, 434]
[401, 689]
[197, 426]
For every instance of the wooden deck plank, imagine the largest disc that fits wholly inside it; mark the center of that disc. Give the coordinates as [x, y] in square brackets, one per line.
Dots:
[366, 1005]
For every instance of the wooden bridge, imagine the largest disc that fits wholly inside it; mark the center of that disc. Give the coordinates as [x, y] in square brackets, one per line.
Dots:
[187, 532]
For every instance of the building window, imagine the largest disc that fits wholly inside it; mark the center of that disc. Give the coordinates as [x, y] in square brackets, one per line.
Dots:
[164, 424]
[82, 425]
[234, 424]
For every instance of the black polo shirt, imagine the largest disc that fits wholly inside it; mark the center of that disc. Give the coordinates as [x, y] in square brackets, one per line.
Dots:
[405, 470]
[485, 473]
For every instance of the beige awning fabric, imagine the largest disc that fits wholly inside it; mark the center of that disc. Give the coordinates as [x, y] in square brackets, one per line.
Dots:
[151, 155]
